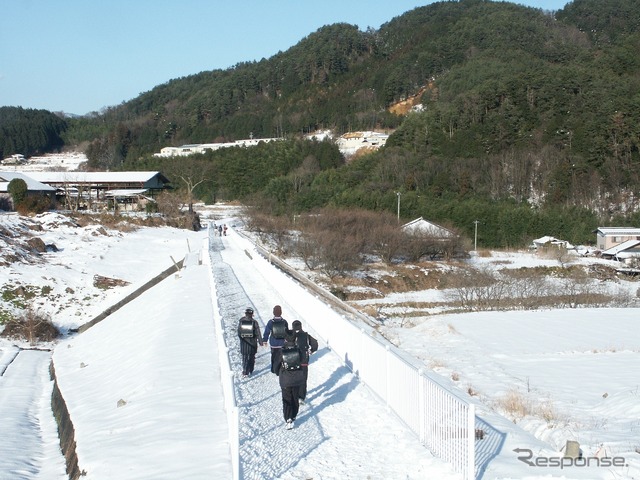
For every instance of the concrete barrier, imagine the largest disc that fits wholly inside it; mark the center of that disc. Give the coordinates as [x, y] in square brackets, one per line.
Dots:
[139, 291]
[66, 432]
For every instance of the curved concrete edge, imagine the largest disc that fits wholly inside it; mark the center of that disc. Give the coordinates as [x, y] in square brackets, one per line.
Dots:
[139, 291]
[66, 430]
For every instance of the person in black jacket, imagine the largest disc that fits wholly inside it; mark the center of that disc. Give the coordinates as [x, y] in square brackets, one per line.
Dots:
[249, 334]
[291, 378]
[307, 345]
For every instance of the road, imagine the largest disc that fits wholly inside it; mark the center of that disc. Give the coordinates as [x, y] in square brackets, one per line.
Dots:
[343, 431]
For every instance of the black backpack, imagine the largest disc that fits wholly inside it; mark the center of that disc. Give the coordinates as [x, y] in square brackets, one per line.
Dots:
[291, 357]
[302, 341]
[246, 328]
[278, 328]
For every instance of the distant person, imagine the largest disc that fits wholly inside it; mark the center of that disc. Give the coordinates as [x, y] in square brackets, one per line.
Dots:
[291, 378]
[307, 345]
[249, 334]
[275, 332]
[224, 229]
[220, 229]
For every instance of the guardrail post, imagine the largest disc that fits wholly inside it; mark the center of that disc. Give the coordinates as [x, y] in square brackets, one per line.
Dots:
[422, 407]
[387, 349]
[471, 446]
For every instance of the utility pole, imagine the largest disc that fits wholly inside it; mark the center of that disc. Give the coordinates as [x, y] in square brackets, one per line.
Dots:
[475, 241]
[398, 194]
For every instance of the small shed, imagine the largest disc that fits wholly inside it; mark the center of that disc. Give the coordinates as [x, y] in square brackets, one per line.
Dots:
[424, 227]
[425, 238]
[129, 199]
[548, 241]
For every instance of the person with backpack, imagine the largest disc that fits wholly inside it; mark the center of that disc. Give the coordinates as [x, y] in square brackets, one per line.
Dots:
[274, 332]
[249, 335]
[307, 345]
[290, 377]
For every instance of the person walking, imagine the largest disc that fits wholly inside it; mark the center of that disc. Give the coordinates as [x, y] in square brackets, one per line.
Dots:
[249, 334]
[274, 332]
[307, 345]
[291, 378]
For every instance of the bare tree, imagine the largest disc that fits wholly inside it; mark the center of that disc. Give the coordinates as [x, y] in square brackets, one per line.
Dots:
[305, 172]
[191, 173]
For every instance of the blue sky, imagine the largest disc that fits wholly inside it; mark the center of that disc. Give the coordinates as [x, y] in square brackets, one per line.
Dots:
[80, 56]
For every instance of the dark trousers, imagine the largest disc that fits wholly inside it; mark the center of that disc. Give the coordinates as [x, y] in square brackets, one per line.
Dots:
[276, 358]
[248, 362]
[290, 404]
[248, 352]
[302, 391]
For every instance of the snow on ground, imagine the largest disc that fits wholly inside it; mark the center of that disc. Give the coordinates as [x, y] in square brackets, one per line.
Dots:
[143, 387]
[83, 252]
[55, 162]
[145, 382]
[571, 371]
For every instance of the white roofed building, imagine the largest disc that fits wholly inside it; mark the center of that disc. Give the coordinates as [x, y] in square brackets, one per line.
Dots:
[607, 237]
[32, 184]
[547, 241]
[186, 150]
[33, 187]
[625, 251]
[351, 143]
[90, 189]
[96, 183]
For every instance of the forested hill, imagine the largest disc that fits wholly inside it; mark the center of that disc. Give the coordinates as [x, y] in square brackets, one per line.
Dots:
[526, 115]
[479, 58]
[29, 131]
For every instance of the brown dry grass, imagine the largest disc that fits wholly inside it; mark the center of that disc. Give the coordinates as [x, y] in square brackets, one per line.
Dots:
[127, 224]
[31, 326]
[391, 279]
[514, 403]
[484, 253]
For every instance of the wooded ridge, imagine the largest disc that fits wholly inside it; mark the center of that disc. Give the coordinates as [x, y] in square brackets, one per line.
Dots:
[529, 120]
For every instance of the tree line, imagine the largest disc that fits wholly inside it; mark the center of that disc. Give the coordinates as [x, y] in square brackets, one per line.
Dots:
[29, 131]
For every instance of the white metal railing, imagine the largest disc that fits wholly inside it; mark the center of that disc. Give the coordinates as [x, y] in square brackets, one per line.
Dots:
[226, 374]
[442, 418]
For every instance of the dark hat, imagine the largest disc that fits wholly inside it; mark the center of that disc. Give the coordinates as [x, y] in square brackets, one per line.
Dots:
[277, 310]
[249, 311]
[296, 325]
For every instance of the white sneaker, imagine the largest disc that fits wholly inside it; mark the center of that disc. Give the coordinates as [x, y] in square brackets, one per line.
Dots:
[289, 424]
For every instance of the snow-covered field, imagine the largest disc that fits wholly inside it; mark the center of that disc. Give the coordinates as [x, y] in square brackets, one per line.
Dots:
[55, 162]
[540, 377]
